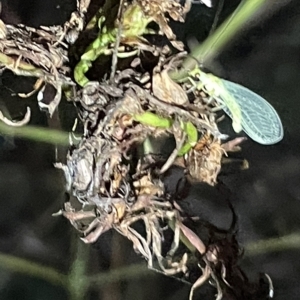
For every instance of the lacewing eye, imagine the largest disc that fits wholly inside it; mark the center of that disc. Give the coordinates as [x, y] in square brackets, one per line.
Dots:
[260, 120]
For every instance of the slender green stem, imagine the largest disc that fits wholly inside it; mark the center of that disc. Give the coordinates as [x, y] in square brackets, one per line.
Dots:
[38, 134]
[224, 34]
[287, 242]
[133, 26]
[128, 273]
[29, 268]
[78, 283]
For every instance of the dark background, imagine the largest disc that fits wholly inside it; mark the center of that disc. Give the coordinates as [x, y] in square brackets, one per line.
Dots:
[265, 57]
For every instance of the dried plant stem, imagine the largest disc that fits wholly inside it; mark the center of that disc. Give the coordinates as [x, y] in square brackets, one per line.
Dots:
[182, 237]
[20, 67]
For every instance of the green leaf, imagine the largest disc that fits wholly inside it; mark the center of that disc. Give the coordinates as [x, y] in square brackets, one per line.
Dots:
[185, 149]
[151, 119]
[192, 137]
[191, 131]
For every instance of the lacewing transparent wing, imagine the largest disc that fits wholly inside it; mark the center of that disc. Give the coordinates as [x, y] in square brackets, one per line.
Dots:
[260, 120]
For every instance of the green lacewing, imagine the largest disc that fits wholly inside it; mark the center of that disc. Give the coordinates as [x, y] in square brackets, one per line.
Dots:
[249, 111]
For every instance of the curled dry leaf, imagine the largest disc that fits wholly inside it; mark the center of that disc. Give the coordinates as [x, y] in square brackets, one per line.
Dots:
[3, 30]
[165, 89]
[145, 186]
[23, 122]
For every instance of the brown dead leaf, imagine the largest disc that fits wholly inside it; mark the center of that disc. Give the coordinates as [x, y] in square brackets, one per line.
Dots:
[3, 30]
[165, 89]
[144, 186]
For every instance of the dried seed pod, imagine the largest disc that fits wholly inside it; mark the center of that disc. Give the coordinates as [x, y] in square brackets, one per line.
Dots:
[94, 170]
[203, 162]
